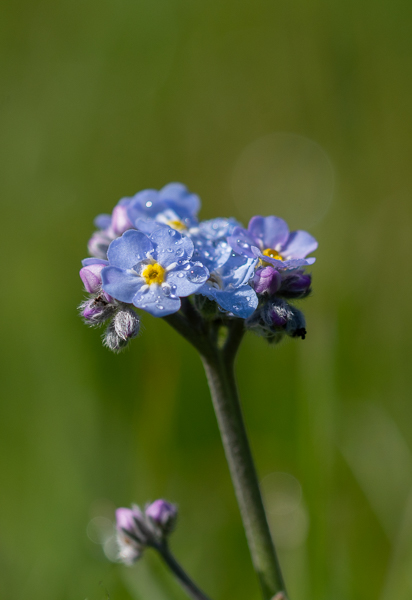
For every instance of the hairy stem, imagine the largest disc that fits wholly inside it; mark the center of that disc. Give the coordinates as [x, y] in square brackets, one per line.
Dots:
[188, 585]
[219, 367]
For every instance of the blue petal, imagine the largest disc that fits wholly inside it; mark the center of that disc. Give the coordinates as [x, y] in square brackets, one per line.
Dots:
[120, 284]
[241, 302]
[270, 231]
[286, 265]
[146, 225]
[299, 244]
[144, 204]
[94, 261]
[179, 193]
[171, 246]
[241, 242]
[213, 254]
[238, 270]
[217, 228]
[187, 278]
[126, 251]
[155, 302]
[103, 221]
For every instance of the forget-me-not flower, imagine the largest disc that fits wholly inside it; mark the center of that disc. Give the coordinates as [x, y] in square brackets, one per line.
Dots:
[153, 272]
[173, 205]
[269, 239]
[228, 285]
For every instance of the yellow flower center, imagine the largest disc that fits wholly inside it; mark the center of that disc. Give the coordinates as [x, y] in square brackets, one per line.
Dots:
[272, 253]
[177, 225]
[153, 274]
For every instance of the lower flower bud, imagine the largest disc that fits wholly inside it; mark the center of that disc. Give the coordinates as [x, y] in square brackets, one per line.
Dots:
[126, 324]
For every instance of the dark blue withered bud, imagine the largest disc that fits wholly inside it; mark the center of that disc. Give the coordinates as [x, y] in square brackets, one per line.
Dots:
[295, 285]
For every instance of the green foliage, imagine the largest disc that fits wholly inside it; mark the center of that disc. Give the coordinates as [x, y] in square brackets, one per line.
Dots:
[102, 99]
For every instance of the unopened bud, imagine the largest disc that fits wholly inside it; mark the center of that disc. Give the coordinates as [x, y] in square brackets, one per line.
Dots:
[131, 540]
[91, 276]
[163, 514]
[120, 221]
[267, 279]
[112, 340]
[99, 244]
[126, 324]
[96, 310]
[296, 285]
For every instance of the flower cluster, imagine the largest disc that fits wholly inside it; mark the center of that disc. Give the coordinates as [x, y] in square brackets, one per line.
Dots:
[152, 251]
[137, 529]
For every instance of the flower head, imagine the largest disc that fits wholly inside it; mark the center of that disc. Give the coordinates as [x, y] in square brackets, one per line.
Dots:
[137, 529]
[153, 272]
[173, 205]
[269, 239]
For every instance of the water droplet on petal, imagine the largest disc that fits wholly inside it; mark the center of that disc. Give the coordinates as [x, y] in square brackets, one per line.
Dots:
[166, 290]
[179, 252]
[149, 204]
[197, 274]
[159, 306]
[172, 232]
[180, 274]
[169, 250]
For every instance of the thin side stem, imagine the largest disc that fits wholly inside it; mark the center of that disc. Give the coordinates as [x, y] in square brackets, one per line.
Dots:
[188, 584]
[220, 375]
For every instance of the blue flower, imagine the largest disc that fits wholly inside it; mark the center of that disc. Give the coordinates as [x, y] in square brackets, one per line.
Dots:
[152, 272]
[269, 239]
[228, 286]
[210, 241]
[173, 205]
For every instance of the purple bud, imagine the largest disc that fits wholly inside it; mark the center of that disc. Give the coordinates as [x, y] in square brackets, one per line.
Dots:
[97, 310]
[120, 221]
[99, 244]
[124, 519]
[267, 279]
[126, 324]
[296, 285]
[91, 277]
[129, 536]
[163, 514]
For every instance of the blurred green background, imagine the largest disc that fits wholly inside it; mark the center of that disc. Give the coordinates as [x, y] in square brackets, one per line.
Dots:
[299, 109]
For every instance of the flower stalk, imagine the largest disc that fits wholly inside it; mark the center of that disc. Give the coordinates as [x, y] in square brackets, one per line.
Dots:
[219, 367]
[185, 581]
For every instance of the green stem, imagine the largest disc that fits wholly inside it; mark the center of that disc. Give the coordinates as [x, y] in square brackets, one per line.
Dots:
[219, 368]
[185, 581]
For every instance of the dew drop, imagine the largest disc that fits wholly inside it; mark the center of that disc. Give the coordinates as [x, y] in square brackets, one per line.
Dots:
[149, 204]
[160, 306]
[166, 290]
[172, 232]
[197, 275]
[180, 275]
[179, 252]
[169, 250]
